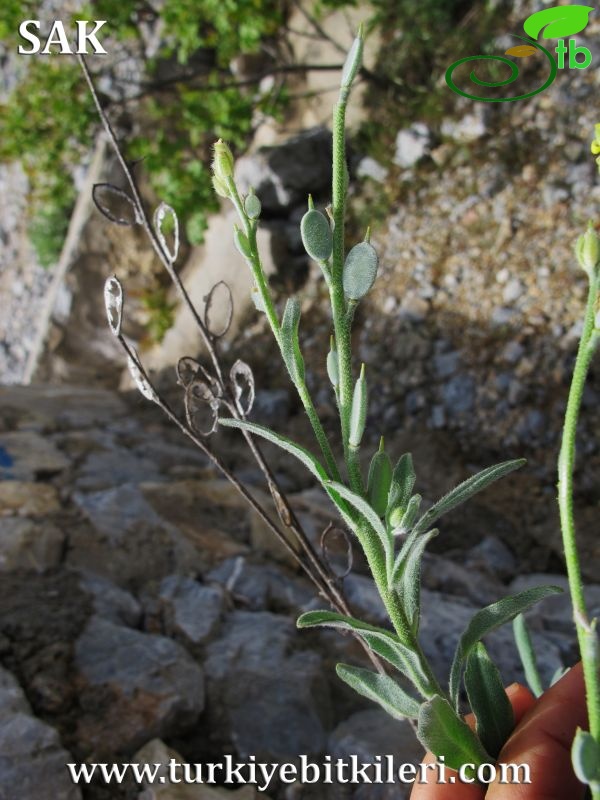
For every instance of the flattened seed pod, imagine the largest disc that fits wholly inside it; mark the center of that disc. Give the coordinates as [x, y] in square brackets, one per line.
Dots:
[360, 270]
[316, 235]
[252, 206]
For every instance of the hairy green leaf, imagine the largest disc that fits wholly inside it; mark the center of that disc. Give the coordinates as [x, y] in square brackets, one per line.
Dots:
[466, 490]
[527, 655]
[487, 620]
[488, 700]
[363, 507]
[406, 578]
[382, 642]
[380, 688]
[378, 482]
[290, 345]
[403, 481]
[445, 734]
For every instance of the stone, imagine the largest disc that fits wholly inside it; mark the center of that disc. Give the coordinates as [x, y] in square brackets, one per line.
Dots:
[28, 499]
[262, 698]
[371, 733]
[190, 609]
[459, 394]
[263, 587]
[467, 129]
[104, 469]
[25, 455]
[134, 686]
[283, 175]
[28, 545]
[411, 145]
[492, 555]
[31, 754]
[115, 543]
[110, 601]
[370, 168]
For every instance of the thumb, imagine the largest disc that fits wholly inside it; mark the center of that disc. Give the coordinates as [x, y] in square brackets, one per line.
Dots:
[542, 740]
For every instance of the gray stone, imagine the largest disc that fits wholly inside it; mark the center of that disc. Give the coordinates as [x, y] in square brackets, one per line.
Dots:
[372, 733]
[191, 609]
[446, 364]
[467, 129]
[111, 602]
[135, 686]
[103, 469]
[123, 524]
[443, 575]
[283, 175]
[492, 555]
[31, 755]
[25, 455]
[261, 697]
[370, 168]
[459, 394]
[411, 145]
[364, 599]
[25, 544]
[271, 406]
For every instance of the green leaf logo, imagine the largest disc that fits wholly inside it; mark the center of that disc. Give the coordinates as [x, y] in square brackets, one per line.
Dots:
[557, 22]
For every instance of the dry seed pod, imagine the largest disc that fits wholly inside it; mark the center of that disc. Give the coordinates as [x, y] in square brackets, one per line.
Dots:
[360, 270]
[316, 235]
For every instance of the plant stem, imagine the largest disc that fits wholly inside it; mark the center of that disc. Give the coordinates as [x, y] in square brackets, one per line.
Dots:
[586, 632]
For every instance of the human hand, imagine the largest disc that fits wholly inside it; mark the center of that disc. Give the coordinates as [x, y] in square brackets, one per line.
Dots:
[544, 732]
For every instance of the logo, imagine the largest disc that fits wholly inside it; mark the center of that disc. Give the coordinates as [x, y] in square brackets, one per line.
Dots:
[555, 23]
[58, 37]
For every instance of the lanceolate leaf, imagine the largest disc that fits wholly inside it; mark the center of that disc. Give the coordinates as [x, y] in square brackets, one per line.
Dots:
[488, 700]
[380, 688]
[445, 734]
[403, 481]
[303, 455]
[290, 346]
[487, 620]
[383, 643]
[407, 577]
[557, 22]
[466, 490]
[362, 506]
[527, 655]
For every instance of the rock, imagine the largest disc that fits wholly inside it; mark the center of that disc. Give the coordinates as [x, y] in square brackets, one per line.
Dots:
[114, 466]
[444, 575]
[25, 455]
[271, 406]
[190, 609]
[155, 753]
[31, 754]
[364, 599]
[123, 523]
[467, 129]
[370, 168]
[283, 176]
[28, 545]
[263, 587]
[261, 697]
[459, 394]
[412, 144]
[371, 733]
[111, 602]
[28, 499]
[134, 686]
[491, 555]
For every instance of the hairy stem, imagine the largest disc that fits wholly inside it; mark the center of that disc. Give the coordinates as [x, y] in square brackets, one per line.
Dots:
[586, 633]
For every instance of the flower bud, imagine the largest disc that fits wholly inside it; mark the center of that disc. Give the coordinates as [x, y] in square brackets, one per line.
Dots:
[358, 412]
[222, 161]
[588, 250]
[353, 60]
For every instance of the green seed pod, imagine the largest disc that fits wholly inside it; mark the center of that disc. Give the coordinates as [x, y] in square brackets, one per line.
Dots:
[358, 413]
[380, 478]
[241, 242]
[252, 206]
[333, 368]
[588, 250]
[316, 235]
[353, 60]
[360, 270]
